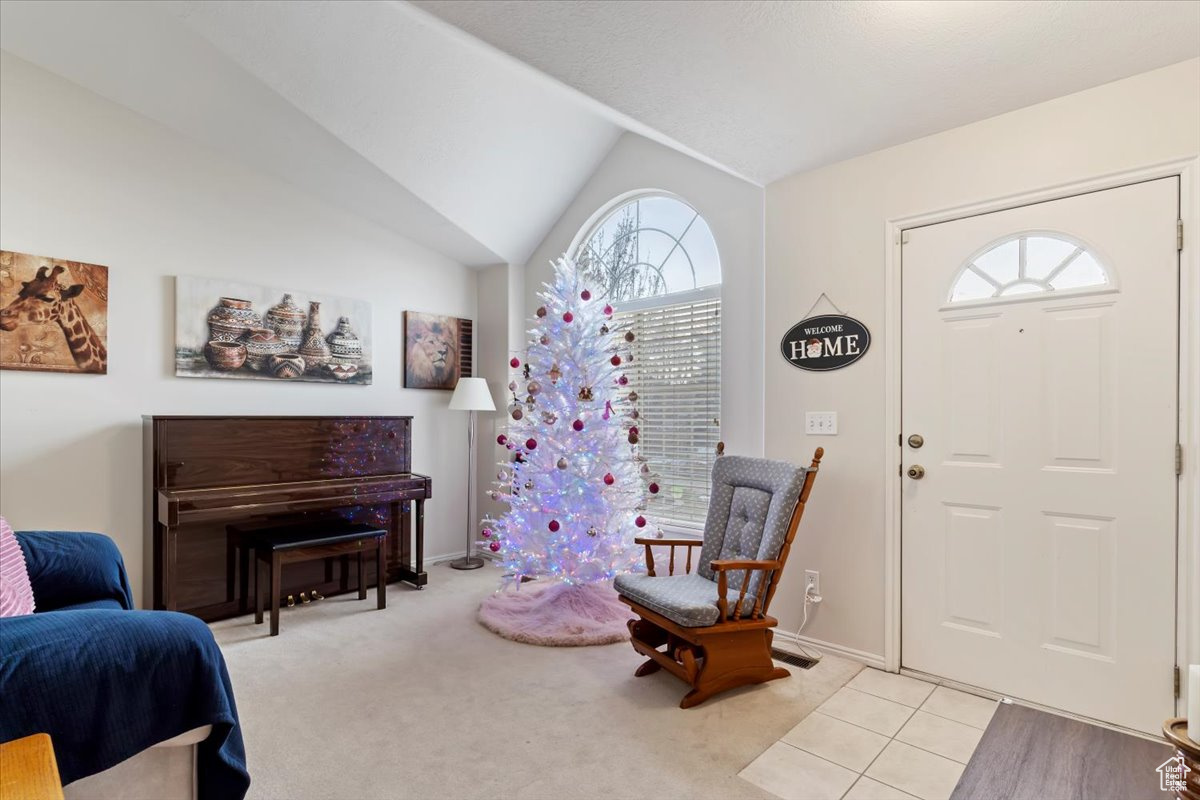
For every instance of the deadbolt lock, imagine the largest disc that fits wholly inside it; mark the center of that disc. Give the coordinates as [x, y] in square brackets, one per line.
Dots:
[916, 472]
[916, 440]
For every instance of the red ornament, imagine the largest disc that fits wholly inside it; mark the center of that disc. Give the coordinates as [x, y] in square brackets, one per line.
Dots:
[622, 380]
[501, 439]
[609, 480]
[515, 362]
[567, 317]
[553, 526]
[585, 294]
[633, 429]
[640, 521]
[577, 424]
[541, 312]
[654, 488]
[487, 532]
[494, 546]
[608, 310]
[531, 444]
[615, 361]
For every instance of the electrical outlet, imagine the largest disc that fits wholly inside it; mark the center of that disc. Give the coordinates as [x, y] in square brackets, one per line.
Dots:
[812, 582]
[820, 423]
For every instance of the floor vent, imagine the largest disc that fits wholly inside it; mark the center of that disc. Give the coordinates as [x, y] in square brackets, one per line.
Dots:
[792, 658]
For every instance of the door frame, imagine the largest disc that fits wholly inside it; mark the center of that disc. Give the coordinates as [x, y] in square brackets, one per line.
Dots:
[1187, 577]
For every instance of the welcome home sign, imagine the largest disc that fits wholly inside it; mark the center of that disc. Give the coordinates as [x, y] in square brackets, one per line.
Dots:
[825, 342]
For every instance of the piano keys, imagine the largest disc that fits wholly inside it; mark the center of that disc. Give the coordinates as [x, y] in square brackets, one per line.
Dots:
[204, 473]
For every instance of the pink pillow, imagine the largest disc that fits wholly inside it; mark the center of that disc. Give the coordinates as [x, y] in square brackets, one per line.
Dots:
[16, 595]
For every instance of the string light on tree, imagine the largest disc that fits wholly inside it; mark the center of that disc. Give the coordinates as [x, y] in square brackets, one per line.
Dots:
[574, 436]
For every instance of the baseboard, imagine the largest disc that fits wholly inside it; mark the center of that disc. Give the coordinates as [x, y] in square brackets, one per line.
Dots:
[442, 559]
[870, 659]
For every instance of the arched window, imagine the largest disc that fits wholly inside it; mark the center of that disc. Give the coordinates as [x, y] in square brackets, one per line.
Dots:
[655, 259]
[650, 247]
[1031, 263]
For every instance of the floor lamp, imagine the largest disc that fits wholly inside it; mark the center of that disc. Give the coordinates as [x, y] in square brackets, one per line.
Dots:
[471, 395]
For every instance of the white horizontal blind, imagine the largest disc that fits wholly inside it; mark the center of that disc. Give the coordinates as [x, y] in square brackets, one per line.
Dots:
[676, 371]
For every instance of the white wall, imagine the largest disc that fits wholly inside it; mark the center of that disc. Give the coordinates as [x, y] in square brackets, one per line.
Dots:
[734, 211]
[82, 178]
[825, 233]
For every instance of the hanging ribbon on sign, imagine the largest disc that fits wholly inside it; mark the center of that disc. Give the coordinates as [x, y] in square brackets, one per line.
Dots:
[825, 342]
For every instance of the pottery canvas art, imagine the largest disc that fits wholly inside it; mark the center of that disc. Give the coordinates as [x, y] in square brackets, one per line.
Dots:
[437, 350]
[240, 330]
[53, 314]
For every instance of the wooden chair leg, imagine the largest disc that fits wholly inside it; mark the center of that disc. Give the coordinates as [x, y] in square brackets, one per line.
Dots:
[650, 634]
[276, 590]
[381, 576]
[258, 591]
[362, 578]
[244, 577]
[648, 667]
[731, 660]
[230, 564]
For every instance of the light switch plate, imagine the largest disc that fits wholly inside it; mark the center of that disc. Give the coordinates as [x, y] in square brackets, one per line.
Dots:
[820, 423]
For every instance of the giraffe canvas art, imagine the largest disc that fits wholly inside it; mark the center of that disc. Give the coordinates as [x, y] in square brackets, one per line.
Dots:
[53, 314]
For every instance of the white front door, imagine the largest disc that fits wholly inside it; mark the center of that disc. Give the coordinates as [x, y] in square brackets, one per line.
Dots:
[1040, 369]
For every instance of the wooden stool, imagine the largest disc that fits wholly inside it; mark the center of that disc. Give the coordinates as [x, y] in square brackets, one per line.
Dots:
[274, 547]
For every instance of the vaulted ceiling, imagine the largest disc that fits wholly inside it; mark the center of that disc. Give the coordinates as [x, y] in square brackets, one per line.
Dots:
[469, 126]
[771, 88]
[374, 106]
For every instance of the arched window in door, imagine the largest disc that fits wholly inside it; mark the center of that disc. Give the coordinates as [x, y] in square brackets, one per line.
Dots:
[1029, 263]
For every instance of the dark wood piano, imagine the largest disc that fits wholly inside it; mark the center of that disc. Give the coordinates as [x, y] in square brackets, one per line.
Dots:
[204, 473]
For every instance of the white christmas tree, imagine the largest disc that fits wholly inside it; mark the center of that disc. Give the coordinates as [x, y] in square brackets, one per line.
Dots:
[576, 487]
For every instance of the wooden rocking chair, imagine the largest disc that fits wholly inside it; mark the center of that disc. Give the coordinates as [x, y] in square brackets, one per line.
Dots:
[713, 642]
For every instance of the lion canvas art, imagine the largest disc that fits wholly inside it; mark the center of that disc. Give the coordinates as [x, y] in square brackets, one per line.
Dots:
[53, 314]
[437, 349]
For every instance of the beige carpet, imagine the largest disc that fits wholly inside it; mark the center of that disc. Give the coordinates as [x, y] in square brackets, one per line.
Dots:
[420, 701]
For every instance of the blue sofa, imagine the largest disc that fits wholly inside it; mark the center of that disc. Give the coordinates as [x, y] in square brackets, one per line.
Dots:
[107, 681]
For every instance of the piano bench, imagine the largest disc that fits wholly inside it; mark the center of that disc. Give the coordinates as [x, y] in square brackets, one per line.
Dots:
[290, 544]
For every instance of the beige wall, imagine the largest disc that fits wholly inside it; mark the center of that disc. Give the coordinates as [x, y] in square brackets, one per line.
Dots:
[83, 178]
[825, 232]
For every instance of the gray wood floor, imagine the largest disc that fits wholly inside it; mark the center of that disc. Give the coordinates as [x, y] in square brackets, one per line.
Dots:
[1031, 755]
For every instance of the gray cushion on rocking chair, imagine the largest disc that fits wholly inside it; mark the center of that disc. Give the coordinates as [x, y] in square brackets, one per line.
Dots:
[690, 600]
[748, 518]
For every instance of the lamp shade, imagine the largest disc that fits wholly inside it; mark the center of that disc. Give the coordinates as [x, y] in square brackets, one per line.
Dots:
[472, 394]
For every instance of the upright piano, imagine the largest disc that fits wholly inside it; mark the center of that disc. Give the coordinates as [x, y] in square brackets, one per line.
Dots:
[205, 473]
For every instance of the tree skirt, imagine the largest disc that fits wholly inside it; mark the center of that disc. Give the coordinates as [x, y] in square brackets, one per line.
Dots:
[557, 615]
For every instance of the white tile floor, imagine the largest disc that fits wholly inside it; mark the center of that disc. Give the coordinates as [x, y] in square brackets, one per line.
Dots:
[881, 736]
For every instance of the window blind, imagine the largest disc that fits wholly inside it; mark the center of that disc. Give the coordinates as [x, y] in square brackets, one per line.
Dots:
[676, 371]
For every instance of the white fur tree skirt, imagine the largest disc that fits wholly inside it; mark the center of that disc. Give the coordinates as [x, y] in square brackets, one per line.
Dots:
[557, 614]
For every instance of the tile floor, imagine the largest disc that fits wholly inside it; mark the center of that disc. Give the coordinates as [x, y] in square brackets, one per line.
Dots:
[882, 736]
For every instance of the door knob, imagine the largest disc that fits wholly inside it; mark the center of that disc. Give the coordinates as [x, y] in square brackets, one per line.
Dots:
[916, 440]
[916, 472]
